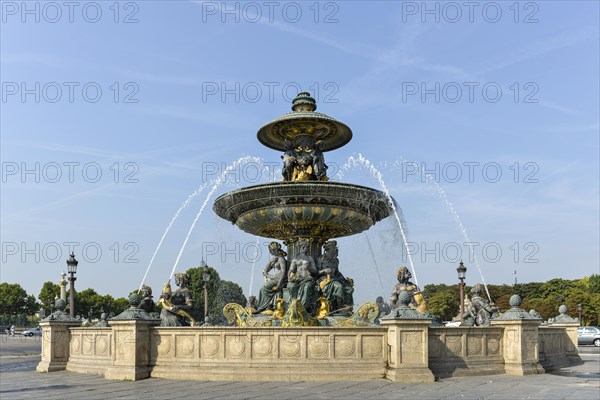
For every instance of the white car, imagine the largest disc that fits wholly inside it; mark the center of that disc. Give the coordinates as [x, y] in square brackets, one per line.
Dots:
[588, 335]
[32, 332]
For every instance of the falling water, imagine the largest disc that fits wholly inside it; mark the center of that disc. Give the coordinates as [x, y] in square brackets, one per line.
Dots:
[253, 265]
[218, 182]
[361, 160]
[374, 261]
[442, 193]
[183, 205]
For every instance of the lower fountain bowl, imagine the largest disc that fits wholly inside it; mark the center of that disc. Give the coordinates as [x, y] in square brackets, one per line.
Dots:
[287, 210]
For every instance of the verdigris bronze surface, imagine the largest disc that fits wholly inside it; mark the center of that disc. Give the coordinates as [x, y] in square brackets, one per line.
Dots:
[304, 126]
[147, 303]
[178, 305]
[336, 288]
[60, 314]
[404, 284]
[478, 311]
[134, 312]
[288, 210]
[273, 287]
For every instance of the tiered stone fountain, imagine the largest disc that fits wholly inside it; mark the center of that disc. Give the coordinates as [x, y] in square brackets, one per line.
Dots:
[305, 207]
[305, 211]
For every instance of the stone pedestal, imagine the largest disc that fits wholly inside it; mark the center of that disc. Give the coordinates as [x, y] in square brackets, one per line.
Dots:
[520, 344]
[520, 340]
[56, 339]
[409, 351]
[408, 339]
[131, 341]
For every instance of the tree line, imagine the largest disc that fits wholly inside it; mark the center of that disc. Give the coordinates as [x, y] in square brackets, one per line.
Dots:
[544, 297]
[16, 305]
[443, 300]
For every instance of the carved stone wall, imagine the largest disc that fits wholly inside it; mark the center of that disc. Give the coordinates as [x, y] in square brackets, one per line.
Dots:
[553, 355]
[313, 354]
[554, 346]
[136, 350]
[465, 351]
[91, 350]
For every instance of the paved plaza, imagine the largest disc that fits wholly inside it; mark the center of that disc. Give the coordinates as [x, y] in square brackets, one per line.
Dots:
[18, 380]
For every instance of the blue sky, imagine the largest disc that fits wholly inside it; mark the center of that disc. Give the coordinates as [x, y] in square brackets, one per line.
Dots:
[504, 88]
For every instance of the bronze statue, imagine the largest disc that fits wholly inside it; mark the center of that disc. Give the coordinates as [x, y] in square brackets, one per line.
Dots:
[300, 279]
[273, 284]
[289, 161]
[384, 307]
[177, 306]
[335, 287]
[318, 160]
[304, 167]
[147, 303]
[303, 161]
[404, 284]
[478, 311]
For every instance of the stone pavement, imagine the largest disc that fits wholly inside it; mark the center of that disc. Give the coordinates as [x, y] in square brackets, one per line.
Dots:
[18, 380]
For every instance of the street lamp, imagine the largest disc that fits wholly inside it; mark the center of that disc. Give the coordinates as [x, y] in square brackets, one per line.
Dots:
[462, 273]
[580, 308]
[206, 279]
[72, 268]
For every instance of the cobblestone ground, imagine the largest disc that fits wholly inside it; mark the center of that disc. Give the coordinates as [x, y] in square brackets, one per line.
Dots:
[18, 380]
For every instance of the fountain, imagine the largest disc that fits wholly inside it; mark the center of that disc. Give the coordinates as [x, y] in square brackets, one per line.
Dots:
[305, 208]
[304, 326]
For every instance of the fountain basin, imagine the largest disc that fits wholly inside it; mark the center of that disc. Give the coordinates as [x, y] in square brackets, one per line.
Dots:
[287, 210]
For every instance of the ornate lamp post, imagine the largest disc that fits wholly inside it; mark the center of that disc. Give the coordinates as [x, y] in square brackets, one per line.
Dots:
[580, 308]
[462, 273]
[72, 268]
[206, 279]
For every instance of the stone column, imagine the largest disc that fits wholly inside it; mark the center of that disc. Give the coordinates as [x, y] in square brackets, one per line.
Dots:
[56, 339]
[63, 286]
[408, 331]
[520, 340]
[131, 343]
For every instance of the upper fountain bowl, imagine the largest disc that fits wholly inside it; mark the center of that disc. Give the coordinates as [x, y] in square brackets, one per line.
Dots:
[304, 121]
[287, 210]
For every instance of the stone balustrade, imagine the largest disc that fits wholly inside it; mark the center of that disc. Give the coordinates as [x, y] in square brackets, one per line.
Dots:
[399, 350]
[465, 351]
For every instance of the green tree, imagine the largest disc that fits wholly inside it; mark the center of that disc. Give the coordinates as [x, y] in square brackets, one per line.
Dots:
[594, 283]
[444, 304]
[89, 300]
[47, 295]
[14, 300]
[119, 305]
[220, 292]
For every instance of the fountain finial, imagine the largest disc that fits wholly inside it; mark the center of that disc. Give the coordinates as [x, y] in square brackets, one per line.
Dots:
[304, 102]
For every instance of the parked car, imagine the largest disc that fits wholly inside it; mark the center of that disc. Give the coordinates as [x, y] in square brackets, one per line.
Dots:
[588, 335]
[33, 332]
